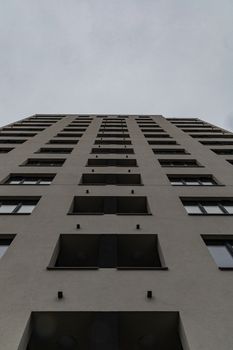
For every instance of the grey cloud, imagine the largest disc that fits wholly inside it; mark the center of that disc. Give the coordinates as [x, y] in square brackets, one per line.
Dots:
[170, 57]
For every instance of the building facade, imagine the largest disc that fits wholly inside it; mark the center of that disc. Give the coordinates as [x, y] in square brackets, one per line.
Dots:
[116, 233]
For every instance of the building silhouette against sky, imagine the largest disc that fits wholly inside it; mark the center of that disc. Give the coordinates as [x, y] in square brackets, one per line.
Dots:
[116, 233]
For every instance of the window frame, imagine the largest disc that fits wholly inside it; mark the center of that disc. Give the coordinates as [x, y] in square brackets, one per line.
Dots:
[199, 179]
[18, 204]
[199, 203]
[220, 240]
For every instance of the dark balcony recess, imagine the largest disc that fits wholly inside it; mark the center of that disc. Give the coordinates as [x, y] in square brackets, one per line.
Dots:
[71, 330]
[112, 150]
[101, 162]
[44, 162]
[113, 142]
[113, 135]
[67, 134]
[94, 251]
[111, 179]
[122, 205]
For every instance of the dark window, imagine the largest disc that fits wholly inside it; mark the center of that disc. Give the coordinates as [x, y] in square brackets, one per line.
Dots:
[44, 162]
[162, 142]
[109, 205]
[37, 123]
[121, 251]
[113, 142]
[152, 130]
[30, 179]
[22, 129]
[63, 134]
[193, 180]
[170, 151]
[187, 120]
[112, 162]
[114, 119]
[55, 150]
[62, 142]
[203, 130]
[179, 163]
[113, 135]
[145, 122]
[111, 179]
[113, 129]
[105, 330]
[157, 135]
[78, 125]
[17, 134]
[12, 141]
[111, 122]
[217, 143]
[113, 150]
[17, 206]
[223, 151]
[109, 126]
[73, 129]
[213, 136]
[208, 207]
[230, 161]
[31, 124]
[5, 241]
[5, 150]
[221, 250]
[196, 125]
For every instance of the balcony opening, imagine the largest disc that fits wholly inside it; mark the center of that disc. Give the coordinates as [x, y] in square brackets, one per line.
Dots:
[122, 205]
[112, 162]
[120, 251]
[111, 179]
[105, 330]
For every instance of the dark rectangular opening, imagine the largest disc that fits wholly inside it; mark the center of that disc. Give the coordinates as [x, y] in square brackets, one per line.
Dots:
[5, 242]
[55, 150]
[157, 135]
[213, 136]
[5, 150]
[192, 180]
[44, 162]
[73, 129]
[112, 162]
[113, 135]
[113, 142]
[223, 151]
[62, 142]
[94, 251]
[17, 134]
[115, 330]
[109, 129]
[152, 129]
[12, 141]
[179, 163]
[162, 142]
[109, 205]
[170, 151]
[111, 179]
[13, 128]
[65, 134]
[75, 125]
[113, 150]
[29, 179]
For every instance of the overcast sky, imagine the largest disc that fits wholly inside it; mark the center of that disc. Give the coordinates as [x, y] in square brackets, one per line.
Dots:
[169, 57]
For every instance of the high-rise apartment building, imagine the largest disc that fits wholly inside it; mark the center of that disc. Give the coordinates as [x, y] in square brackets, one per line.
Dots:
[116, 234]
